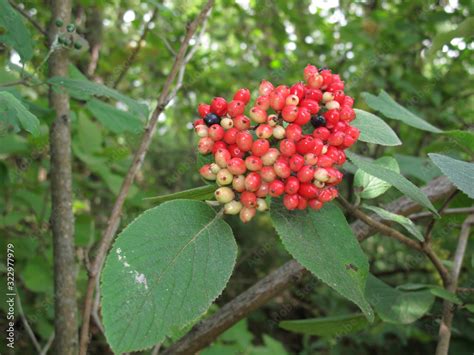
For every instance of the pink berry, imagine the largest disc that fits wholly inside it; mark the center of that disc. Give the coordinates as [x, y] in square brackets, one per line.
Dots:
[302, 203]
[265, 87]
[222, 157]
[310, 159]
[244, 141]
[309, 71]
[260, 147]
[313, 94]
[263, 102]
[253, 163]
[315, 81]
[325, 162]
[205, 145]
[246, 214]
[262, 191]
[336, 139]
[268, 173]
[258, 115]
[264, 131]
[270, 157]
[292, 100]
[218, 145]
[242, 122]
[216, 132]
[236, 166]
[332, 117]
[202, 130]
[253, 181]
[282, 169]
[206, 172]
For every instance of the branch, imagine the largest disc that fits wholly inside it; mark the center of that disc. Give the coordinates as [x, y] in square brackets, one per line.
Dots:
[448, 309]
[30, 332]
[449, 211]
[204, 333]
[29, 18]
[135, 51]
[137, 162]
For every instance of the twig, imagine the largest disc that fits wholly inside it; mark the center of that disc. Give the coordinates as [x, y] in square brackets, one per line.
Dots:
[429, 228]
[465, 290]
[209, 329]
[14, 83]
[44, 351]
[28, 329]
[448, 309]
[137, 162]
[29, 18]
[135, 51]
[168, 45]
[156, 350]
[449, 211]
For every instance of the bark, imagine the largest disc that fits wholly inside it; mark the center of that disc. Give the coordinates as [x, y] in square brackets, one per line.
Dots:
[62, 219]
[206, 331]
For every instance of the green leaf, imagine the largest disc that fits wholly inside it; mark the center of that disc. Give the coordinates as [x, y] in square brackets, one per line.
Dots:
[89, 135]
[14, 32]
[198, 193]
[470, 307]
[323, 243]
[397, 180]
[421, 168]
[13, 144]
[163, 272]
[327, 327]
[82, 88]
[37, 275]
[368, 186]
[402, 220]
[374, 130]
[389, 108]
[464, 138]
[18, 114]
[445, 294]
[459, 172]
[464, 29]
[395, 306]
[118, 121]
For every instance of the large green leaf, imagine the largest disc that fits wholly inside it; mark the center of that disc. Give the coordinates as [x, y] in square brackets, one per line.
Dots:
[374, 130]
[84, 88]
[402, 220]
[198, 193]
[163, 272]
[389, 108]
[327, 327]
[459, 172]
[368, 186]
[118, 121]
[13, 31]
[323, 243]
[421, 168]
[398, 181]
[16, 113]
[395, 306]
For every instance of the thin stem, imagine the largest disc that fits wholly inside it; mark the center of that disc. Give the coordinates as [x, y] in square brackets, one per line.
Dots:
[29, 18]
[448, 308]
[28, 329]
[449, 211]
[429, 228]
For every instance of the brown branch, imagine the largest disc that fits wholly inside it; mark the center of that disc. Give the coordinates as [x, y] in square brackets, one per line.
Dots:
[429, 228]
[29, 18]
[135, 51]
[448, 310]
[449, 211]
[204, 333]
[62, 219]
[137, 162]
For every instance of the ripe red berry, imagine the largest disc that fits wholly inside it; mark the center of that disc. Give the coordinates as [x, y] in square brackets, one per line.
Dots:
[260, 147]
[331, 117]
[216, 132]
[246, 214]
[219, 106]
[253, 163]
[304, 116]
[348, 141]
[327, 77]
[309, 71]
[242, 95]
[242, 122]
[353, 132]
[236, 166]
[302, 203]
[230, 135]
[265, 88]
[308, 190]
[258, 115]
[283, 90]
[276, 188]
[305, 145]
[306, 173]
[205, 145]
[298, 89]
[263, 102]
[248, 199]
[236, 108]
[277, 101]
[244, 141]
[292, 185]
[325, 161]
[315, 204]
[313, 94]
[321, 133]
[262, 192]
[235, 151]
[268, 173]
[318, 146]
[264, 131]
[325, 195]
[287, 147]
[203, 110]
[348, 101]
[336, 139]
[282, 169]
[253, 181]
[294, 132]
[296, 162]
[290, 201]
[311, 105]
[218, 145]
[289, 113]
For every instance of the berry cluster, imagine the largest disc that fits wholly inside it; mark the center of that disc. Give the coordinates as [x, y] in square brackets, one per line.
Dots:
[298, 137]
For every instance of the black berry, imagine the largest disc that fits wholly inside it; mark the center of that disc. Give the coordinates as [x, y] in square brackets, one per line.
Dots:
[318, 121]
[211, 118]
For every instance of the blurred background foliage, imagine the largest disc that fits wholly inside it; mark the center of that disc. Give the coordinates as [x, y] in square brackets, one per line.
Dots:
[414, 50]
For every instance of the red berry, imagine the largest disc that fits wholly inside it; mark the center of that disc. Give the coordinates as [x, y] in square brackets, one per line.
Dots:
[315, 81]
[264, 131]
[218, 145]
[298, 89]
[263, 102]
[348, 101]
[309, 71]
[327, 77]
[216, 132]
[348, 141]
[258, 115]
[321, 133]
[304, 116]
[287, 147]
[205, 145]
[325, 161]
[262, 191]
[270, 156]
[246, 214]
[339, 97]
[277, 101]
[268, 173]
[308, 190]
[235, 151]
[283, 90]
[325, 195]
[313, 94]
[289, 113]
[242, 95]
[248, 199]
[306, 173]
[244, 141]
[296, 162]
[336, 139]
[305, 145]
[332, 117]
[199, 122]
[315, 204]
[206, 172]
[242, 122]
[236, 166]
[282, 169]
[219, 106]
[265, 87]
[290, 201]
[292, 185]
[311, 105]
[203, 110]
[276, 188]
[318, 146]
[336, 86]
[253, 181]
[235, 108]
[230, 135]
[294, 132]
[302, 203]
[260, 147]
[253, 163]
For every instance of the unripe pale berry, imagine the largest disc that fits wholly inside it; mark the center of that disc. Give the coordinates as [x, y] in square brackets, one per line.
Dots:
[216, 132]
[276, 188]
[272, 120]
[206, 172]
[236, 166]
[327, 96]
[321, 174]
[222, 157]
[262, 205]
[214, 168]
[253, 163]
[264, 131]
[246, 214]
[324, 149]
[248, 199]
[333, 105]
[224, 194]
[315, 81]
[205, 145]
[232, 207]
[260, 147]
[279, 132]
[268, 173]
[270, 157]
[290, 201]
[292, 100]
[258, 115]
[224, 177]
[310, 159]
[201, 130]
[282, 169]
[238, 183]
[319, 184]
[227, 123]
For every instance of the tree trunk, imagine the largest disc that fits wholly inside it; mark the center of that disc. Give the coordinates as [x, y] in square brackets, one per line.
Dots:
[62, 219]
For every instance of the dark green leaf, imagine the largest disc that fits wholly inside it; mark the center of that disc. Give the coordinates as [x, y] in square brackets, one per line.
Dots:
[327, 327]
[374, 130]
[11, 106]
[118, 121]
[14, 32]
[198, 193]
